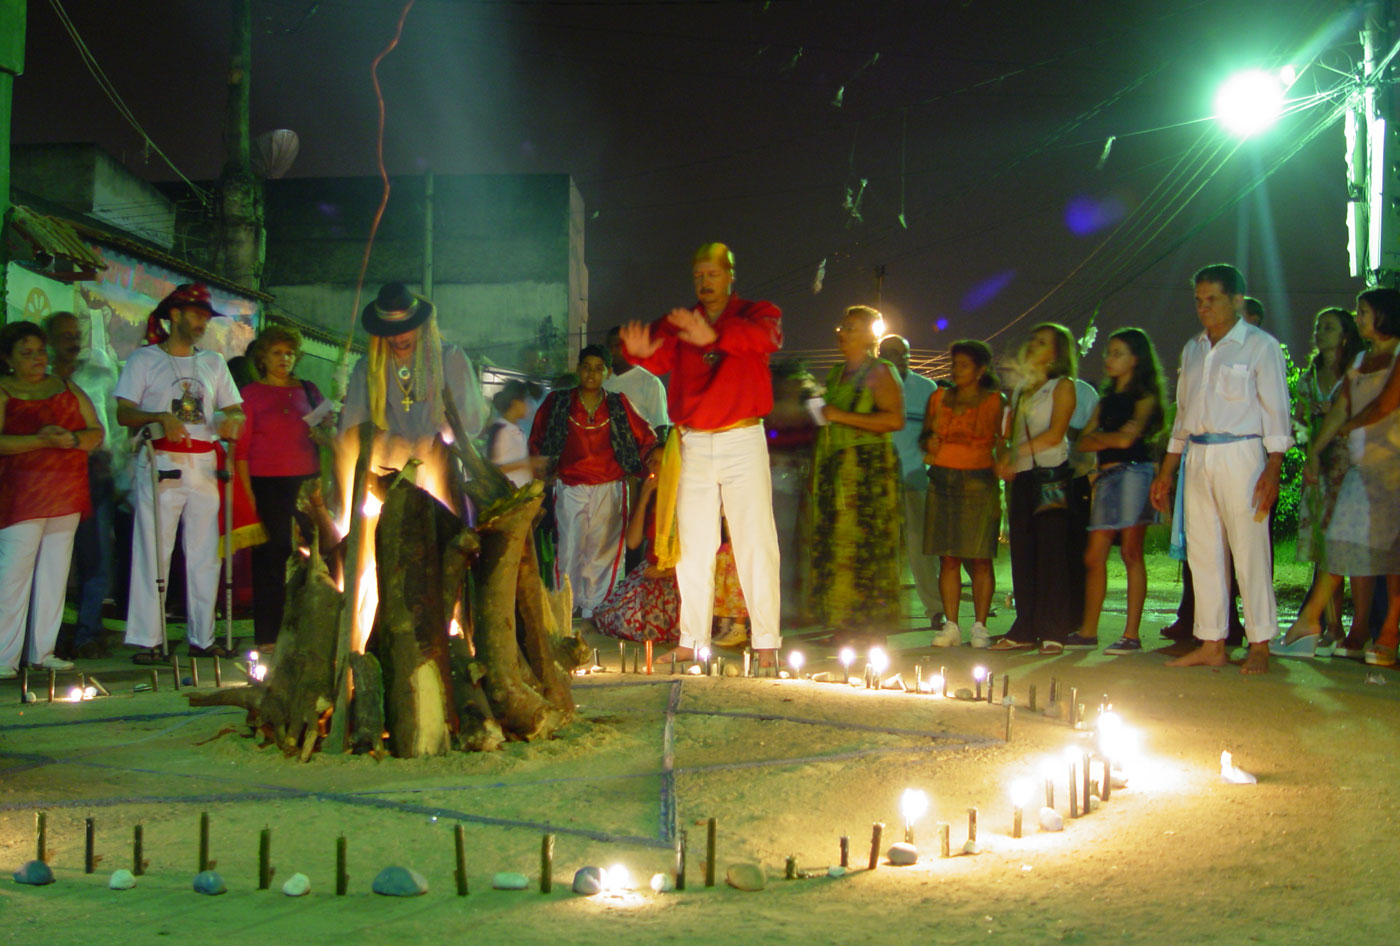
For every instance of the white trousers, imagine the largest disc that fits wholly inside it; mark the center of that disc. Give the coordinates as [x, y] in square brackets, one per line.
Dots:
[191, 501]
[1220, 526]
[591, 533]
[923, 567]
[729, 468]
[34, 557]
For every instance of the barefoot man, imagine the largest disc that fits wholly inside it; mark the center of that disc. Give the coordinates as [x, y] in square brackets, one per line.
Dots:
[1232, 410]
[717, 355]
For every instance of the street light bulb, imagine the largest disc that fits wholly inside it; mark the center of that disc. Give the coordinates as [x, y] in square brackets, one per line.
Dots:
[1249, 102]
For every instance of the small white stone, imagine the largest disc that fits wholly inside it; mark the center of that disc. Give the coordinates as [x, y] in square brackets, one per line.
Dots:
[903, 854]
[662, 883]
[122, 880]
[784, 675]
[297, 885]
[731, 670]
[30, 696]
[836, 871]
[1051, 820]
[745, 877]
[972, 847]
[694, 670]
[505, 880]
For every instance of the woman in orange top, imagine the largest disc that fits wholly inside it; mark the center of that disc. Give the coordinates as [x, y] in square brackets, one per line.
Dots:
[963, 513]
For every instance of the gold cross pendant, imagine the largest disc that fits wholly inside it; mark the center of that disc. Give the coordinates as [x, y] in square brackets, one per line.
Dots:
[407, 402]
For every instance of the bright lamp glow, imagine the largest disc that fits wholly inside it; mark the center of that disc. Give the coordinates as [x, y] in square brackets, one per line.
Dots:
[878, 327]
[879, 660]
[1021, 791]
[795, 661]
[1249, 102]
[848, 656]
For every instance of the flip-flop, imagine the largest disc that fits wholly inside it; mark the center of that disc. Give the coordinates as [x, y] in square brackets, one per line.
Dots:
[1378, 656]
[1007, 643]
[1305, 646]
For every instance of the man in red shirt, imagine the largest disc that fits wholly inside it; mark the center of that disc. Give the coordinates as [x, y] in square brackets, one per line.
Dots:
[595, 439]
[716, 353]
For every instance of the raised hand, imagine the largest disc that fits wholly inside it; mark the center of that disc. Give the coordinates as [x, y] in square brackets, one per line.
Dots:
[637, 339]
[692, 327]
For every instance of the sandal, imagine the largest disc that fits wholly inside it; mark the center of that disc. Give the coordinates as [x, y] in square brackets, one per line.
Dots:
[1052, 647]
[150, 656]
[1380, 656]
[1304, 646]
[1007, 643]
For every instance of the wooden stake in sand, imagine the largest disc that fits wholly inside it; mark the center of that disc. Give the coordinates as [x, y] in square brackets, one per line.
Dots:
[845, 851]
[877, 831]
[547, 863]
[459, 844]
[155, 681]
[265, 859]
[342, 878]
[175, 666]
[710, 853]
[41, 836]
[218, 673]
[203, 841]
[194, 672]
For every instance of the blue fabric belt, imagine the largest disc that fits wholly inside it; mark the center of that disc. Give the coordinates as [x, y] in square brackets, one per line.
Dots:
[1222, 438]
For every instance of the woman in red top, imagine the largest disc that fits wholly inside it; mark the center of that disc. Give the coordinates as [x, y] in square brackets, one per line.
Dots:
[276, 454]
[963, 513]
[47, 429]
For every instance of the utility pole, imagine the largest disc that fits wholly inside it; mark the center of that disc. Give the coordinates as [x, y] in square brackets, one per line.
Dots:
[11, 65]
[1373, 157]
[879, 285]
[238, 252]
[428, 234]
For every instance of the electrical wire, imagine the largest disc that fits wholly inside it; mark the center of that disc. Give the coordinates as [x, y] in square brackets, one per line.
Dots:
[110, 90]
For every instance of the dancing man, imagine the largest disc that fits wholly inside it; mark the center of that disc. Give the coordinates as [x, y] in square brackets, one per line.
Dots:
[717, 355]
[1232, 409]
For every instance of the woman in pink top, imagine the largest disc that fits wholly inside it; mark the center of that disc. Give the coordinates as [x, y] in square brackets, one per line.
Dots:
[963, 512]
[277, 453]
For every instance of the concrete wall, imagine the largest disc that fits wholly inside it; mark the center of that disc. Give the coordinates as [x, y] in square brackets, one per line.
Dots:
[509, 278]
[84, 178]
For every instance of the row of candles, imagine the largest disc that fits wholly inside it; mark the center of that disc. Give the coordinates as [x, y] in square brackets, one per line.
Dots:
[89, 687]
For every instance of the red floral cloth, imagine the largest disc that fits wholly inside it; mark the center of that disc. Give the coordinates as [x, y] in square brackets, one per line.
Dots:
[49, 482]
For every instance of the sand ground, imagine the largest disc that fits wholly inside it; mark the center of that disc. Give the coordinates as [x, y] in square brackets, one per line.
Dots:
[1177, 857]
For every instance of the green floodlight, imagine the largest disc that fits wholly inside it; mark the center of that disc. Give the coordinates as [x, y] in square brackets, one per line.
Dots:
[1249, 102]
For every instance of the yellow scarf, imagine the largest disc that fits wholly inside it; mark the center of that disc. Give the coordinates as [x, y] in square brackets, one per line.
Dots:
[667, 546]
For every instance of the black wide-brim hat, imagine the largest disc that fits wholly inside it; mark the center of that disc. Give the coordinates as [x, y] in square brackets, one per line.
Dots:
[395, 311]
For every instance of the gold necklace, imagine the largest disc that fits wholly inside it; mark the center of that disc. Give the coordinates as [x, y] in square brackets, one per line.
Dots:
[403, 377]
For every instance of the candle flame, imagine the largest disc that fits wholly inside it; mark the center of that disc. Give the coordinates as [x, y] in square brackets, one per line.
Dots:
[795, 660]
[913, 805]
[879, 660]
[1021, 791]
[75, 695]
[979, 673]
[848, 656]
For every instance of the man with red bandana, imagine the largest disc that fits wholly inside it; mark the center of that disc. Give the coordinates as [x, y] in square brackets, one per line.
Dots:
[716, 353]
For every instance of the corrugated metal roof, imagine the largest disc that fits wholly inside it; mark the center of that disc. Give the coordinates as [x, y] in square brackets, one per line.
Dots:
[56, 237]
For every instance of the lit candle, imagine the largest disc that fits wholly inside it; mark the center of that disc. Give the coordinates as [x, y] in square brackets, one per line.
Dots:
[1047, 772]
[138, 859]
[1010, 714]
[1072, 756]
[265, 859]
[938, 686]
[1005, 686]
[879, 663]
[649, 655]
[795, 662]
[877, 830]
[918, 678]
[1085, 806]
[944, 846]
[913, 805]
[703, 655]
[621, 657]
[1031, 700]
[23, 684]
[943, 676]
[547, 863]
[636, 660]
[1021, 790]
[845, 851]
[748, 661]
[680, 860]
[972, 825]
[175, 666]
[41, 832]
[673, 663]
[53, 682]
[848, 656]
[219, 673]
[1054, 689]
[194, 672]
[203, 841]
[459, 845]
[1074, 707]
[979, 674]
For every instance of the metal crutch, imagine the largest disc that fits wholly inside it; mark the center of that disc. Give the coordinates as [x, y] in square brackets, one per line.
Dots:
[156, 477]
[226, 474]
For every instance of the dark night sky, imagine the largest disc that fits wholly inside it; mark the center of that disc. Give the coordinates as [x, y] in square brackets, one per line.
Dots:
[689, 121]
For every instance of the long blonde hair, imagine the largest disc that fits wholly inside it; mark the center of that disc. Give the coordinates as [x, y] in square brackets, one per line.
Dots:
[427, 374]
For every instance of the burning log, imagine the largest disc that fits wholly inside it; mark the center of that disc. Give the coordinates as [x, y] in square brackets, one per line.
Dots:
[417, 597]
[290, 706]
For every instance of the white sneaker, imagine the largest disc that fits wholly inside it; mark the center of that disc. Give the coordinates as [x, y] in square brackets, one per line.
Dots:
[8, 673]
[55, 663]
[980, 637]
[950, 636]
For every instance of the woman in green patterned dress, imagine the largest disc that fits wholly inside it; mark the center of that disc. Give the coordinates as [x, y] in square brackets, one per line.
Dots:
[856, 488]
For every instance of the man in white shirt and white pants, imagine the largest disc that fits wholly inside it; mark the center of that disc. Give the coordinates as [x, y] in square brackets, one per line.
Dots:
[1233, 411]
